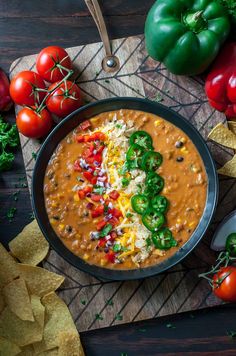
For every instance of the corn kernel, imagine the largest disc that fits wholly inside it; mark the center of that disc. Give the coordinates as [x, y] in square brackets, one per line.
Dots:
[52, 221]
[85, 256]
[157, 122]
[54, 204]
[191, 224]
[183, 139]
[76, 197]
[78, 236]
[61, 226]
[103, 262]
[178, 221]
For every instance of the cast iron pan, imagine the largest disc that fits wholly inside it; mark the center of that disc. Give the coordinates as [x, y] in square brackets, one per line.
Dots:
[71, 122]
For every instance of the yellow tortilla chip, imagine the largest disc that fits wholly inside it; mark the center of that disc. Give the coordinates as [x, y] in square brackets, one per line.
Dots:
[8, 267]
[19, 331]
[8, 348]
[52, 352]
[30, 246]
[2, 302]
[223, 136]
[229, 169]
[39, 280]
[39, 310]
[17, 298]
[58, 319]
[27, 351]
[232, 126]
[70, 344]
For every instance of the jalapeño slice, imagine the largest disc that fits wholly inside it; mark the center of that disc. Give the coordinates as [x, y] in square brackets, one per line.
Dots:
[163, 239]
[154, 184]
[142, 139]
[160, 203]
[134, 155]
[151, 160]
[153, 220]
[139, 203]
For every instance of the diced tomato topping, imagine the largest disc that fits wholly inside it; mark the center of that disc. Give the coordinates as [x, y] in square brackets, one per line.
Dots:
[115, 213]
[113, 221]
[102, 242]
[81, 194]
[101, 224]
[113, 235]
[85, 125]
[97, 136]
[87, 190]
[80, 138]
[98, 211]
[114, 195]
[100, 149]
[87, 153]
[111, 256]
[96, 197]
[77, 167]
[90, 177]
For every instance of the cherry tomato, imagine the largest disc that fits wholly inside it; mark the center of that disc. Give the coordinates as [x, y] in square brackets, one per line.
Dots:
[65, 99]
[49, 61]
[23, 88]
[224, 284]
[32, 124]
[5, 99]
[114, 195]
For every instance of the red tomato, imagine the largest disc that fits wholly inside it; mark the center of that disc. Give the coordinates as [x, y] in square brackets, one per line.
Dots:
[224, 284]
[49, 61]
[114, 195]
[65, 99]
[77, 167]
[85, 125]
[96, 197]
[115, 213]
[5, 99]
[83, 192]
[23, 88]
[90, 177]
[32, 124]
[102, 242]
[101, 224]
[98, 211]
[97, 136]
[111, 256]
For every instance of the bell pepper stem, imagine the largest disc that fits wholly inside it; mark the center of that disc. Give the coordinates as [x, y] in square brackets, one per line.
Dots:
[195, 21]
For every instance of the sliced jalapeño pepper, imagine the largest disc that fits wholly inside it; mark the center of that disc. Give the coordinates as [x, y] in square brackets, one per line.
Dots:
[163, 239]
[154, 184]
[160, 203]
[134, 155]
[231, 244]
[139, 203]
[151, 160]
[142, 139]
[153, 220]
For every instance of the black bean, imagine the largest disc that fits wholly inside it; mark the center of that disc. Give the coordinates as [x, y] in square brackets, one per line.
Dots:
[180, 159]
[179, 144]
[69, 228]
[106, 249]
[56, 217]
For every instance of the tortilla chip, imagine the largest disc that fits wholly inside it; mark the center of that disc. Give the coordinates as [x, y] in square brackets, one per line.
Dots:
[30, 246]
[232, 126]
[70, 344]
[39, 280]
[58, 319]
[8, 267]
[229, 169]
[2, 302]
[27, 351]
[8, 348]
[17, 298]
[39, 310]
[52, 352]
[223, 136]
[19, 331]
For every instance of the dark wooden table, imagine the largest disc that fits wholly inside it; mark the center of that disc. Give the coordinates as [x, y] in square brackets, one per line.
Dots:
[26, 26]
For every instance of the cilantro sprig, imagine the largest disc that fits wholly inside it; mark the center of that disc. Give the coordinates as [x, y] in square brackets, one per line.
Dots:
[9, 140]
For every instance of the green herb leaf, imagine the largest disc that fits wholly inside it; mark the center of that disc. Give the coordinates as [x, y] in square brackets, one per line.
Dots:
[118, 126]
[105, 231]
[125, 182]
[129, 215]
[15, 195]
[98, 190]
[231, 333]
[118, 316]
[110, 302]
[98, 317]
[9, 139]
[117, 247]
[31, 216]
[34, 155]
[170, 326]
[142, 330]
[11, 213]
[83, 302]
[123, 354]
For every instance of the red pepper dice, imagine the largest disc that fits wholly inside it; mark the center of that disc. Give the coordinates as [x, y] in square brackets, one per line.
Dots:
[221, 82]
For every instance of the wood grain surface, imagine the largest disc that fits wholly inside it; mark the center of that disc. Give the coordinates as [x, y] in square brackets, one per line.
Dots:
[25, 28]
[179, 288]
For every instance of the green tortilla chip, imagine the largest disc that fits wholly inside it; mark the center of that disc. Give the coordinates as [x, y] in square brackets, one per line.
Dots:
[8, 348]
[17, 298]
[30, 246]
[58, 319]
[8, 267]
[223, 136]
[229, 169]
[39, 280]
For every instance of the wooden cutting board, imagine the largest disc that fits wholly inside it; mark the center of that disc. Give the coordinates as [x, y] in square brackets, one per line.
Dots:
[94, 303]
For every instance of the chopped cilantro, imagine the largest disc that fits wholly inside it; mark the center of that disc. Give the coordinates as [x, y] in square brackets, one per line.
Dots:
[98, 317]
[118, 126]
[142, 330]
[34, 155]
[123, 354]
[118, 316]
[129, 215]
[105, 231]
[231, 333]
[15, 195]
[83, 302]
[98, 190]
[125, 182]
[110, 302]
[9, 140]
[159, 98]
[11, 213]
[117, 247]
[31, 216]
[107, 81]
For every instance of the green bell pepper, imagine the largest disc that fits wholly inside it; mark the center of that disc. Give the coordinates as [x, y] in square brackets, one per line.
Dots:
[186, 35]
